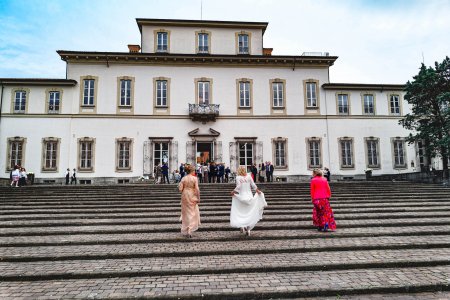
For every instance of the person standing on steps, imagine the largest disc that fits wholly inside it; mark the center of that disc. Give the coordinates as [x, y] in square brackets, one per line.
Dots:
[327, 174]
[74, 177]
[323, 217]
[246, 209]
[67, 175]
[190, 198]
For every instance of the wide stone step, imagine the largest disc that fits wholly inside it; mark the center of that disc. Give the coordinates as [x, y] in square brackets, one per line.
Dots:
[175, 227]
[229, 235]
[240, 246]
[222, 264]
[216, 211]
[174, 218]
[240, 285]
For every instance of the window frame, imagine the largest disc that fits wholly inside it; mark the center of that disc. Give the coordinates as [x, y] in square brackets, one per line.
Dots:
[318, 141]
[129, 143]
[390, 96]
[86, 109]
[277, 109]
[244, 110]
[121, 108]
[161, 109]
[395, 141]
[375, 140]
[156, 34]
[309, 109]
[275, 150]
[48, 99]
[197, 82]
[13, 100]
[352, 153]
[363, 103]
[198, 41]
[45, 142]
[15, 140]
[338, 103]
[249, 41]
[81, 141]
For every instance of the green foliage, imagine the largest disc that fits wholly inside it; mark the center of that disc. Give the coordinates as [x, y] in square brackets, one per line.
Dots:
[429, 120]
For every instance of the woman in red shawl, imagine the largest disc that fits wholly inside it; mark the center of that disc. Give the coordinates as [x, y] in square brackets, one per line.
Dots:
[323, 217]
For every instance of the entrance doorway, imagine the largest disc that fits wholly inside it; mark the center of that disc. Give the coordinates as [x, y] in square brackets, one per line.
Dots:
[204, 153]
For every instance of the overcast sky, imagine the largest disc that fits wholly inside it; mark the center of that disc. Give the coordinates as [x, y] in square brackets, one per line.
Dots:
[377, 41]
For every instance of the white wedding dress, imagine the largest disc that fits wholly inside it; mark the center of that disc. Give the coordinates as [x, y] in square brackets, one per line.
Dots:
[246, 208]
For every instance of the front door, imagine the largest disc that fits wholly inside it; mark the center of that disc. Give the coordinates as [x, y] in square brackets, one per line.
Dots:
[204, 153]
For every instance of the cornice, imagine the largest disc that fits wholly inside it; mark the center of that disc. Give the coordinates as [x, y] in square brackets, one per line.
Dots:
[201, 23]
[195, 59]
[363, 86]
[37, 81]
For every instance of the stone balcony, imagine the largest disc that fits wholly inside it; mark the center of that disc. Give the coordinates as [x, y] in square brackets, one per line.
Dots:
[204, 112]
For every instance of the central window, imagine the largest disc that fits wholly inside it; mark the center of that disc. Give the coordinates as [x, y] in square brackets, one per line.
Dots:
[399, 153]
[161, 153]
[203, 43]
[50, 154]
[277, 94]
[244, 94]
[123, 154]
[346, 147]
[20, 101]
[343, 104]
[280, 153]
[86, 154]
[88, 95]
[162, 42]
[314, 153]
[125, 92]
[203, 92]
[243, 44]
[53, 102]
[161, 93]
[394, 104]
[369, 107]
[246, 155]
[311, 95]
[372, 153]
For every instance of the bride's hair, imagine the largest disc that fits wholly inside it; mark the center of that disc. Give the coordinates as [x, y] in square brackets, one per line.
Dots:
[242, 171]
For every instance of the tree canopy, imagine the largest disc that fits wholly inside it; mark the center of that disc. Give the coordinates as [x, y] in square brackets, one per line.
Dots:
[429, 119]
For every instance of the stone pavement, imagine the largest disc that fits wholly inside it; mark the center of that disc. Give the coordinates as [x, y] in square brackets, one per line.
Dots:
[123, 242]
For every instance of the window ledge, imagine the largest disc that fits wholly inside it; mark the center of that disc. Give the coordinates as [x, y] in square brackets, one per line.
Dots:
[278, 107]
[245, 107]
[120, 170]
[312, 107]
[49, 170]
[88, 105]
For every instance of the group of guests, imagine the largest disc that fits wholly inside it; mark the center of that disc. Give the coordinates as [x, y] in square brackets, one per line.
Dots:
[263, 172]
[18, 176]
[72, 178]
[247, 208]
[212, 172]
[206, 173]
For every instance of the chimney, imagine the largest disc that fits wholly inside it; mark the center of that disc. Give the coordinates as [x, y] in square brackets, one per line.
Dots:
[267, 51]
[134, 48]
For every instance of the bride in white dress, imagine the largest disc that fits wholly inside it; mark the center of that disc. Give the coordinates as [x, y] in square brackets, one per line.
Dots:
[246, 208]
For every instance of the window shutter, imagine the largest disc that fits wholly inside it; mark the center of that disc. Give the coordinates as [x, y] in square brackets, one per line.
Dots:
[147, 164]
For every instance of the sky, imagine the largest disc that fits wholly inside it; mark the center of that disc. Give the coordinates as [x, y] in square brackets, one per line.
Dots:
[377, 41]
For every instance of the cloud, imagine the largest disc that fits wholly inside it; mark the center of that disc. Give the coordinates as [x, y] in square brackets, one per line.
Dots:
[376, 41]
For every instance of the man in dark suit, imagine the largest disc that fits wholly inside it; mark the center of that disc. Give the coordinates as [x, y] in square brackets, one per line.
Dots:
[165, 173]
[270, 176]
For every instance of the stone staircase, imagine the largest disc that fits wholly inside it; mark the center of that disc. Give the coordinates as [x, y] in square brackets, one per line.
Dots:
[124, 242]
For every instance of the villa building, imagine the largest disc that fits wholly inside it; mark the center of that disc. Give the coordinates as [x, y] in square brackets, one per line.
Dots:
[197, 91]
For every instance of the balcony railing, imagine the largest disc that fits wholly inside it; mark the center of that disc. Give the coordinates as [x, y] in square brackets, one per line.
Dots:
[204, 112]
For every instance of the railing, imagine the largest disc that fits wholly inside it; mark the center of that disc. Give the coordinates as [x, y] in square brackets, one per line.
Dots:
[203, 112]
[315, 54]
[203, 49]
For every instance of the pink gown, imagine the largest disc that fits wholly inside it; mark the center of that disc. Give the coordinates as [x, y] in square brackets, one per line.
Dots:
[190, 197]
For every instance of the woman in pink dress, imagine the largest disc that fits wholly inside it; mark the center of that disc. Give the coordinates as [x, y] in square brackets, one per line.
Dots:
[323, 217]
[190, 198]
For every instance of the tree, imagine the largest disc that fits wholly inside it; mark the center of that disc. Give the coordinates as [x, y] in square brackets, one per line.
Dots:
[429, 120]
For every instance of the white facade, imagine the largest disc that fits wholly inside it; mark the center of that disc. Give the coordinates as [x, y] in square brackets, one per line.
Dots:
[142, 123]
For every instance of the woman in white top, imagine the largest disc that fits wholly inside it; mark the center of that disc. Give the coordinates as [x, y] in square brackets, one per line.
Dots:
[246, 208]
